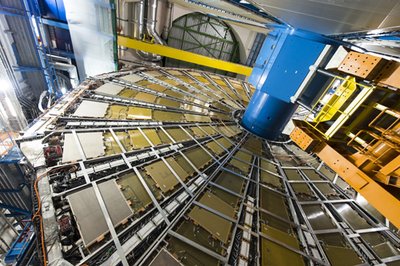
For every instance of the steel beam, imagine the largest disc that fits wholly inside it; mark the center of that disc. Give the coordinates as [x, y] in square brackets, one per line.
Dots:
[184, 55]
[58, 24]
[15, 210]
[374, 193]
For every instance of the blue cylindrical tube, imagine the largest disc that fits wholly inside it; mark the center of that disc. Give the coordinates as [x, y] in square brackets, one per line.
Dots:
[267, 116]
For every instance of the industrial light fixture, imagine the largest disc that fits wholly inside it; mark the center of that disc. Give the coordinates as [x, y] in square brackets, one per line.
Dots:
[4, 85]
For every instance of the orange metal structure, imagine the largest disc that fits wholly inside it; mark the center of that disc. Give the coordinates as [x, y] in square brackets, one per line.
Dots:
[360, 140]
[374, 193]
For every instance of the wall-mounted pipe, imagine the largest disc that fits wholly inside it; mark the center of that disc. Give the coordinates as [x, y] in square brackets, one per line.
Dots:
[139, 22]
[59, 58]
[124, 23]
[152, 6]
[40, 104]
[168, 21]
[140, 31]
[72, 71]
[65, 64]
[145, 15]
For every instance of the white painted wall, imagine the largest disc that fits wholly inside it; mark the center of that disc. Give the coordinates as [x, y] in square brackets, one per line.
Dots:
[179, 11]
[245, 38]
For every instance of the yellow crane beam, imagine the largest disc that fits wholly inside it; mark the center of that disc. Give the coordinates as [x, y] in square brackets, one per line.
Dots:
[178, 54]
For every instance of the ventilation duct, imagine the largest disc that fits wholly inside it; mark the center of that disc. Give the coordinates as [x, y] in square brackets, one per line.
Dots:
[152, 6]
[149, 29]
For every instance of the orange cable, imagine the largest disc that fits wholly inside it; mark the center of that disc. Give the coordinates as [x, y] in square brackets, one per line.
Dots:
[37, 214]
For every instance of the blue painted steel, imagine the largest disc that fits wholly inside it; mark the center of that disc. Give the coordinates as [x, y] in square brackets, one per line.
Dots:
[50, 22]
[32, 10]
[17, 184]
[13, 156]
[395, 38]
[9, 13]
[266, 57]
[26, 68]
[366, 35]
[17, 211]
[282, 65]
[266, 116]
[21, 246]
[54, 9]
[53, 14]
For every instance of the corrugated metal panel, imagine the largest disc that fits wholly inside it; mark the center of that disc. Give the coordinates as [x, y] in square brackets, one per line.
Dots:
[25, 48]
[334, 17]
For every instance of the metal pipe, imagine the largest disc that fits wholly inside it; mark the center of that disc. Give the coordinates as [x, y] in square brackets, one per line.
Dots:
[319, 70]
[308, 108]
[41, 97]
[71, 69]
[359, 140]
[139, 21]
[60, 58]
[125, 12]
[124, 23]
[139, 31]
[383, 108]
[152, 20]
[167, 25]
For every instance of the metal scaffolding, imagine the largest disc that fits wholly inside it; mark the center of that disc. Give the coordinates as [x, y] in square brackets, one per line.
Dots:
[148, 165]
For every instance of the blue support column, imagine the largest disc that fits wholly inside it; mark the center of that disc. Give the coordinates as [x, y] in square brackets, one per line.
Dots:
[32, 10]
[282, 65]
[266, 116]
